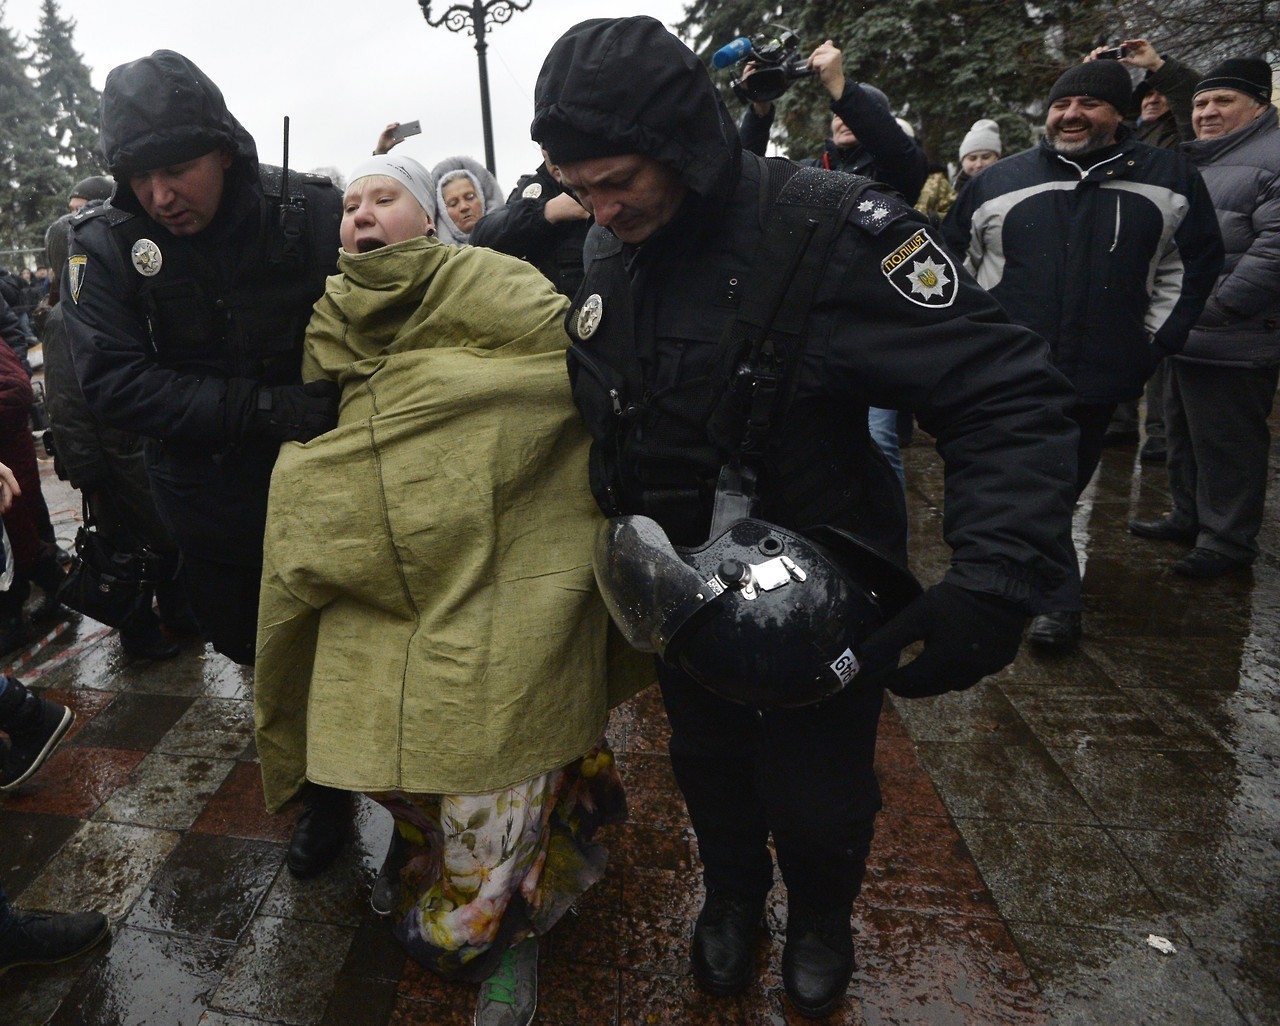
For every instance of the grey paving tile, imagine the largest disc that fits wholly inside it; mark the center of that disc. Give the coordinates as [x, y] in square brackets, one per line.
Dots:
[104, 866]
[212, 728]
[995, 781]
[145, 979]
[1159, 790]
[1071, 717]
[135, 721]
[1060, 874]
[1091, 977]
[210, 886]
[982, 713]
[166, 791]
[284, 972]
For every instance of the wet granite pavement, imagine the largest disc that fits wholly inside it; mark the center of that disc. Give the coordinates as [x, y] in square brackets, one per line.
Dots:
[1037, 830]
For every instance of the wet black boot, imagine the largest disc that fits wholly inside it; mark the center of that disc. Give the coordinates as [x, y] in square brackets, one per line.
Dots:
[321, 830]
[35, 726]
[817, 961]
[724, 941]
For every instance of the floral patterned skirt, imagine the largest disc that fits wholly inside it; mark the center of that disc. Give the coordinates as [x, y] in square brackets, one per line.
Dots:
[483, 872]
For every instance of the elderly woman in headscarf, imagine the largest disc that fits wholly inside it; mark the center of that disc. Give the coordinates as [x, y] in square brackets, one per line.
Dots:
[465, 191]
[430, 632]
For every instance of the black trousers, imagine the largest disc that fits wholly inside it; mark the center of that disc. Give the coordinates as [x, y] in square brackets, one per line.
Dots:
[224, 599]
[804, 776]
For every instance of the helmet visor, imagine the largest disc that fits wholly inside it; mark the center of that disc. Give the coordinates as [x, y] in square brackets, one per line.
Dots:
[648, 589]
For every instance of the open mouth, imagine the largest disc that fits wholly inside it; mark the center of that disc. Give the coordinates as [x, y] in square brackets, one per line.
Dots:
[369, 245]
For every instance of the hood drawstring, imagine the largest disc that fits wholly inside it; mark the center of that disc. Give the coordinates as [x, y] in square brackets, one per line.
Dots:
[1116, 239]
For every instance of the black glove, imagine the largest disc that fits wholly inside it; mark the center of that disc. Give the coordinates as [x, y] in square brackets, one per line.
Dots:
[297, 413]
[967, 635]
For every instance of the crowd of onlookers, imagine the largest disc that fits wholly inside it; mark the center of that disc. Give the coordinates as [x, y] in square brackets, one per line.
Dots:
[1138, 239]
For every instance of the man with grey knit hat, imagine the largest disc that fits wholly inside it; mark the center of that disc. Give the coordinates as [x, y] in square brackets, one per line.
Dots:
[1104, 246]
[1223, 383]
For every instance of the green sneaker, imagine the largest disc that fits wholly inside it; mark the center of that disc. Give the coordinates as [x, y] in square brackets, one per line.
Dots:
[509, 997]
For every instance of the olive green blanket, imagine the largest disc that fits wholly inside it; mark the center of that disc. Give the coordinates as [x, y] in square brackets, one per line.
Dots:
[429, 620]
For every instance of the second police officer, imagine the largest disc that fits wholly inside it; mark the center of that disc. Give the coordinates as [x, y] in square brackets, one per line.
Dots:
[638, 130]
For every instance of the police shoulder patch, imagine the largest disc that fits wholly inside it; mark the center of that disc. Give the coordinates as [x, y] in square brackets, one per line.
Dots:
[76, 266]
[875, 211]
[922, 271]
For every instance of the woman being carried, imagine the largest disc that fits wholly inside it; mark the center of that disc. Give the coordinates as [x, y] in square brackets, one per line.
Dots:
[430, 632]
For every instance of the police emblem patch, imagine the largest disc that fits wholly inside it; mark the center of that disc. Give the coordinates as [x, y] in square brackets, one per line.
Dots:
[76, 267]
[532, 191]
[147, 260]
[589, 316]
[922, 271]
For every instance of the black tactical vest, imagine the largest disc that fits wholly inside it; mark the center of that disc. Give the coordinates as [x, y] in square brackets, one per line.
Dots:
[242, 317]
[649, 393]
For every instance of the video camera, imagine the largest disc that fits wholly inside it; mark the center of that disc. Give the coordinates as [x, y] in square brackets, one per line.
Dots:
[777, 65]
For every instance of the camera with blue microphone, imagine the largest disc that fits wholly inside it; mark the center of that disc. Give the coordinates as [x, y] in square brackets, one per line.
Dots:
[774, 60]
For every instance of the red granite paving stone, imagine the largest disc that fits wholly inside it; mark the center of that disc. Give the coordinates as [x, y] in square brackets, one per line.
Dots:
[921, 863]
[655, 945]
[408, 1012]
[652, 796]
[650, 999]
[920, 970]
[239, 809]
[651, 893]
[75, 781]
[905, 785]
[891, 726]
[590, 938]
[419, 985]
[86, 704]
[577, 995]
[637, 844]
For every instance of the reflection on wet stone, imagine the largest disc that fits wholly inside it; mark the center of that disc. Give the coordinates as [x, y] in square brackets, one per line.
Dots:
[1036, 829]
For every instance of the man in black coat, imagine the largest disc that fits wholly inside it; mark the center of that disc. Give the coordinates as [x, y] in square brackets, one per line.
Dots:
[637, 128]
[189, 295]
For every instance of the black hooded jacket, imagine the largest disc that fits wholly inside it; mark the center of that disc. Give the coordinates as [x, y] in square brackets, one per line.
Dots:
[172, 336]
[881, 331]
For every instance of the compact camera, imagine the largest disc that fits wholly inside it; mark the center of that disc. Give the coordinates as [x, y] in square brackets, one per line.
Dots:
[1113, 54]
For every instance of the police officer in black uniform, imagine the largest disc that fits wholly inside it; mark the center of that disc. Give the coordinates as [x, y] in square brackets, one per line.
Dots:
[190, 292]
[540, 223]
[633, 121]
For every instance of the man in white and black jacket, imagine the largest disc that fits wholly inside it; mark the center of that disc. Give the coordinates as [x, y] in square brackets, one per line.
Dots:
[1106, 247]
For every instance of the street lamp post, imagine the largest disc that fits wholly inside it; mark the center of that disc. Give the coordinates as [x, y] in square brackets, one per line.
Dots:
[475, 17]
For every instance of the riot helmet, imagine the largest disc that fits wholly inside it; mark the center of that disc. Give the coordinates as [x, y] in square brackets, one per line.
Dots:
[759, 614]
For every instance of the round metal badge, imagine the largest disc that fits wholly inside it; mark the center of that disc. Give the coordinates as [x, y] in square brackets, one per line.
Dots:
[589, 316]
[532, 191]
[146, 258]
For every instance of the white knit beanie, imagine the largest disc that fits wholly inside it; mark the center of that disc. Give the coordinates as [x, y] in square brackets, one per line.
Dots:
[984, 135]
[405, 170]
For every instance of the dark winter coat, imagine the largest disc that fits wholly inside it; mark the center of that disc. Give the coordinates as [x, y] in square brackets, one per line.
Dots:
[883, 150]
[1241, 323]
[1177, 83]
[1110, 263]
[520, 229]
[178, 354]
[933, 343]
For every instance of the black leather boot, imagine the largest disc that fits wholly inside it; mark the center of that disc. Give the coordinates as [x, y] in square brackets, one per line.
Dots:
[321, 830]
[817, 960]
[724, 941]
